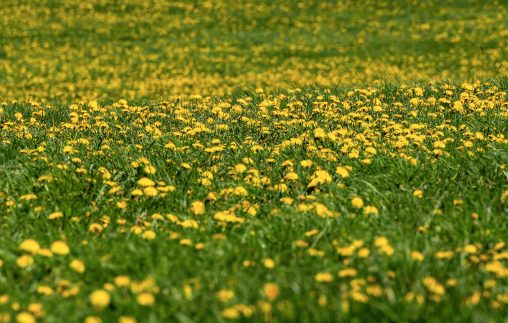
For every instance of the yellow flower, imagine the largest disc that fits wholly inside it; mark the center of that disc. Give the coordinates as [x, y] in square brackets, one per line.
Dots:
[100, 298]
[137, 192]
[323, 277]
[25, 317]
[269, 263]
[380, 241]
[24, 261]
[369, 209]
[28, 197]
[146, 182]
[470, 249]
[357, 202]
[55, 215]
[149, 169]
[433, 285]
[198, 207]
[36, 309]
[149, 235]
[348, 272]
[504, 196]
[342, 172]
[418, 193]
[122, 281]
[145, 299]
[225, 295]
[150, 191]
[291, 176]
[271, 291]
[230, 313]
[363, 253]
[93, 319]
[416, 255]
[30, 246]
[45, 253]
[93, 104]
[189, 224]
[45, 290]
[306, 163]
[320, 177]
[240, 168]
[319, 133]
[121, 204]
[60, 248]
[127, 319]
[77, 265]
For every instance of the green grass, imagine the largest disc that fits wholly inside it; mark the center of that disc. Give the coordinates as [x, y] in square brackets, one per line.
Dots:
[476, 176]
[220, 102]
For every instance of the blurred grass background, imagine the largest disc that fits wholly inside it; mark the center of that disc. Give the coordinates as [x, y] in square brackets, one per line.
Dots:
[67, 50]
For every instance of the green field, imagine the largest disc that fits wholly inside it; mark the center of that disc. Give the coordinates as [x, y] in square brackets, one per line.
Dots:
[220, 161]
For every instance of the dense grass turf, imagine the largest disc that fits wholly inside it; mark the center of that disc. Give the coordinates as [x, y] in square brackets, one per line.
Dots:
[253, 161]
[313, 205]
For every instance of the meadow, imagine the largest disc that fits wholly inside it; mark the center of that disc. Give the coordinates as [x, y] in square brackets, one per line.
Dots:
[253, 161]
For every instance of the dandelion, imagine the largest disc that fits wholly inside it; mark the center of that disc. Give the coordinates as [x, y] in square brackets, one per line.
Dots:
[323, 277]
[145, 299]
[30, 246]
[416, 255]
[418, 193]
[149, 235]
[100, 298]
[357, 202]
[198, 207]
[271, 291]
[25, 317]
[146, 182]
[55, 215]
[77, 265]
[60, 248]
[342, 172]
[225, 295]
[269, 263]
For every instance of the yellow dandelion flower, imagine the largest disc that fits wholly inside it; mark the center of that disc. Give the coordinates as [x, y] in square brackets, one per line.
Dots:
[60, 248]
[145, 299]
[418, 193]
[93, 319]
[198, 207]
[30, 246]
[348, 272]
[146, 182]
[342, 172]
[369, 209]
[416, 255]
[323, 277]
[225, 295]
[25, 317]
[122, 281]
[149, 235]
[55, 215]
[149, 169]
[24, 261]
[357, 202]
[100, 298]
[77, 265]
[271, 291]
[268, 263]
[127, 319]
[150, 191]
